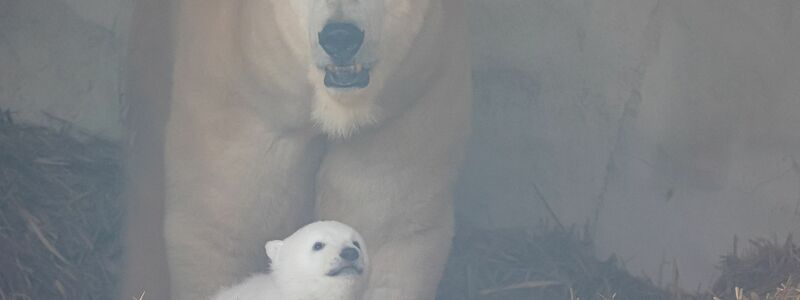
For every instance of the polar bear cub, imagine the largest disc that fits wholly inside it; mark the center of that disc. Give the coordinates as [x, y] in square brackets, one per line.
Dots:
[325, 260]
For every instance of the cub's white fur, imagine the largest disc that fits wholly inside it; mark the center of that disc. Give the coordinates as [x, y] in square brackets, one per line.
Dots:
[300, 272]
[243, 141]
[392, 180]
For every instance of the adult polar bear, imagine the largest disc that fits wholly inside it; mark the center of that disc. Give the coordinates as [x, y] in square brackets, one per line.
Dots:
[254, 88]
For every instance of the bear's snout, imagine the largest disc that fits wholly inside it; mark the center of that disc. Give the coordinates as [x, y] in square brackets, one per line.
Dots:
[341, 41]
[349, 254]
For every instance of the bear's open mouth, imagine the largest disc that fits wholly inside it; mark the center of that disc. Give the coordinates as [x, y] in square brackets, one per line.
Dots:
[345, 270]
[352, 76]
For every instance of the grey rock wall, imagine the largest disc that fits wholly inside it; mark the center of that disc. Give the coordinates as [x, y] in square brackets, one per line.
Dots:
[671, 125]
[63, 59]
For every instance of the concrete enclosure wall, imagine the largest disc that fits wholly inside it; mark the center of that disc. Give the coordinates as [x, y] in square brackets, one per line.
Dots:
[671, 125]
[62, 58]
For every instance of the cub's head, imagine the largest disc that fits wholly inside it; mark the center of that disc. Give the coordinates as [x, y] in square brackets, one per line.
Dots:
[321, 258]
[352, 52]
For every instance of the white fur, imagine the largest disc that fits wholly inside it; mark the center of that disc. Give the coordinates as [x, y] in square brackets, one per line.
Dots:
[392, 180]
[244, 153]
[341, 120]
[299, 273]
[391, 27]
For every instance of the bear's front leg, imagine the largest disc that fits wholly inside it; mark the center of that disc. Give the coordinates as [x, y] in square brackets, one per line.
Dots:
[403, 210]
[410, 268]
[232, 183]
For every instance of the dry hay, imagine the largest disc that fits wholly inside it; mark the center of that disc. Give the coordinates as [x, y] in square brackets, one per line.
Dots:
[59, 213]
[60, 220]
[787, 291]
[768, 270]
[550, 263]
[553, 263]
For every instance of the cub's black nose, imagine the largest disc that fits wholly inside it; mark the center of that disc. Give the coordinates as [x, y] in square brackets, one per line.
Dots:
[349, 254]
[341, 41]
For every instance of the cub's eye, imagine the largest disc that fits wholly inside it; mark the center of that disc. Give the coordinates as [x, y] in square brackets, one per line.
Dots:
[318, 246]
[355, 243]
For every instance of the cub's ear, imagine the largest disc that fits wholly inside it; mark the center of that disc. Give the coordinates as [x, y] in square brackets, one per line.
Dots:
[273, 249]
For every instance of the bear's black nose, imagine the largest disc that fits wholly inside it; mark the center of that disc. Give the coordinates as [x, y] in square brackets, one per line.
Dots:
[341, 41]
[349, 254]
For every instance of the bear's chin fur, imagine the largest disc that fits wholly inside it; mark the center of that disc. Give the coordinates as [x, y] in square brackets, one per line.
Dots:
[340, 113]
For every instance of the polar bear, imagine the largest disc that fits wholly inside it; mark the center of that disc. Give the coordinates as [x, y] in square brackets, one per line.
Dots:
[325, 260]
[259, 116]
